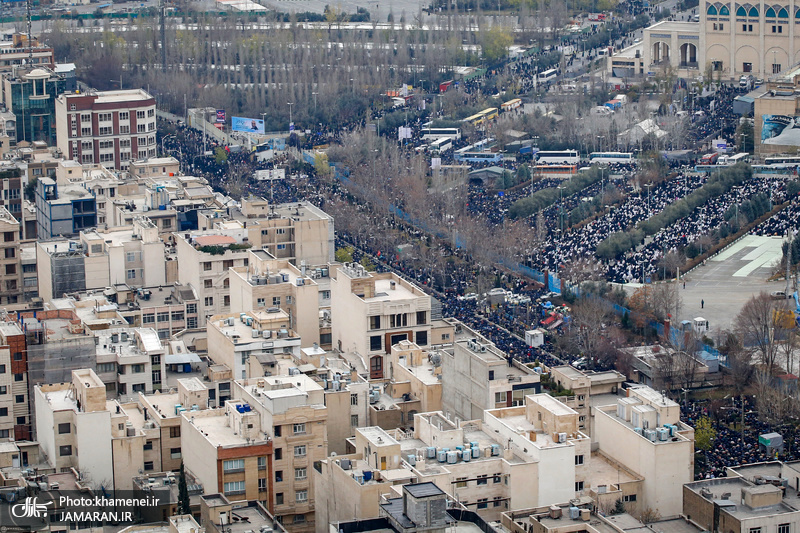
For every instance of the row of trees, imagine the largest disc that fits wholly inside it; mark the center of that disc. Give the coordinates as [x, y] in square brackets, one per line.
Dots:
[525, 207]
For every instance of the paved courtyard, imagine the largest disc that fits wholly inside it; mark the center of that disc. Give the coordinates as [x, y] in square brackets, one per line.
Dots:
[379, 10]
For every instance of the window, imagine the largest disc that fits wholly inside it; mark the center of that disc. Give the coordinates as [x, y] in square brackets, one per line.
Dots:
[497, 478]
[10, 253]
[162, 317]
[747, 67]
[131, 273]
[124, 143]
[629, 498]
[140, 114]
[65, 451]
[151, 113]
[278, 476]
[86, 117]
[3, 411]
[148, 445]
[278, 453]
[354, 421]
[421, 338]
[104, 117]
[148, 465]
[776, 68]
[191, 308]
[125, 130]
[19, 398]
[375, 322]
[174, 453]
[497, 502]
[326, 295]
[123, 115]
[233, 465]
[276, 300]
[375, 343]
[207, 283]
[300, 474]
[299, 519]
[278, 498]
[483, 479]
[130, 257]
[298, 429]
[500, 397]
[19, 377]
[262, 463]
[354, 399]
[226, 301]
[234, 487]
[301, 496]
[86, 132]
[281, 247]
[578, 486]
[578, 460]
[174, 432]
[207, 266]
[2, 369]
[422, 317]
[262, 484]
[148, 318]
[209, 301]
[483, 503]
[106, 130]
[461, 482]
[3, 390]
[300, 451]
[64, 428]
[399, 320]
[784, 528]
[491, 375]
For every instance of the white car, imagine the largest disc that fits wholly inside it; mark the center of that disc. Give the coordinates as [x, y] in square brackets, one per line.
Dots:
[470, 296]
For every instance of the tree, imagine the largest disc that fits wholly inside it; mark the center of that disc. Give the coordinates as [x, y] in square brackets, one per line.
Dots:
[704, 433]
[744, 136]
[344, 255]
[590, 316]
[756, 325]
[496, 42]
[619, 507]
[183, 493]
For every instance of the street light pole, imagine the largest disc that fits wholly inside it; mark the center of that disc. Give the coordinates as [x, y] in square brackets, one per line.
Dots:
[290, 104]
[315, 102]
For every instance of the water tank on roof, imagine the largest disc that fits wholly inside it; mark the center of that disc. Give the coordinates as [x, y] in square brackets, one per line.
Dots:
[495, 449]
[476, 451]
[452, 457]
[466, 456]
[441, 456]
[574, 513]
[412, 459]
[431, 452]
[367, 475]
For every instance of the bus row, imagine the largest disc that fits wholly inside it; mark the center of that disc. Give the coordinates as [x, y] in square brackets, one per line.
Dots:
[472, 154]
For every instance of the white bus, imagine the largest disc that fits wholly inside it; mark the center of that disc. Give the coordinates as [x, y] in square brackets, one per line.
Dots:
[562, 157]
[782, 159]
[607, 158]
[434, 134]
[547, 76]
[440, 146]
[733, 159]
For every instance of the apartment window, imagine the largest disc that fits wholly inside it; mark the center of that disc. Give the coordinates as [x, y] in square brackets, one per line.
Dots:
[777, 29]
[226, 300]
[261, 302]
[784, 528]
[209, 301]
[86, 117]
[278, 476]
[579, 459]
[262, 463]
[233, 465]
[174, 432]
[497, 502]
[104, 117]
[461, 482]
[148, 445]
[299, 519]
[483, 503]
[629, 498]
[19, 398]
[277, 431]
[148, 318]
[207, 266]
[4, 434]
[162, 317]
[375, 343]
[19, 377]
[11, 269]
[500, 397]
[276, 300]
[497, 478]
[262, 484]
[10, 253]
[106, 130]
[375, 322]
[354, 399]
[125, 130]
[140, 114]
[301, 496]
[278, 453]
[148, 465]
[131, 273]
[300, 451]
[281, 247]
[2, 369]
[578, 486]
[207, 283]
[65, 450]
[298, 429]
[354, 421]
[278, 498]
[86, 132]
[300, 474]
[130, 257]
[422, 317]
[64, 428]
[175, 453]
[421, 338]
[483, 479]
[398, 320]
[326, 295]
[124, 115]
[191, 308]
[3, 411]
[151, 113]
[233, 487]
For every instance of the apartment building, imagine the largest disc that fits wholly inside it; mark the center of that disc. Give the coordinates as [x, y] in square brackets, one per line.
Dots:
[63, 211]
[753, 498]
[30, 93]
[347, 397]
[12, 183]
[268, 282]
[586, 388]
[292, 410]
[244, 342]
[15, 51]
[131, 358]
[643, 432]
[371, 312]
[168, 309]
[111, 128]
[15, 415]
[220, 514]
[205, 258]
[10, 259]
[78, 428]
[155, 167]
[227, 451]
[477, 376]
[295, 232]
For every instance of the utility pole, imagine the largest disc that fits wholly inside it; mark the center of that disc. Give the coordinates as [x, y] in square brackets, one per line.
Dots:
[789, 264]
[28, 21]
[162, 11]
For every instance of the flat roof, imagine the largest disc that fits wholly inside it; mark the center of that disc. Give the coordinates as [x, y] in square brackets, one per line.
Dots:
[423, 490]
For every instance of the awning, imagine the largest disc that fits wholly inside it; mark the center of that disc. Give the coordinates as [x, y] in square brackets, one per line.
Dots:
[181, 358]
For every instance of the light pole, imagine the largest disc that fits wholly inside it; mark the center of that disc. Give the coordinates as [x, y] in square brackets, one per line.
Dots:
[648, 185]
[315, 102]
[163, 151]
[291, 122]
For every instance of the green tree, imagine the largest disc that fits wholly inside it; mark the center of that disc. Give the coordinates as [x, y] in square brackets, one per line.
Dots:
[367, 263]
[619, 507]
[183, 493]
[704, 433]
[30, 190]
[344, 255]
[744, 136]
[495, 43]
[523, 173]
[220, 154]
[321, 164]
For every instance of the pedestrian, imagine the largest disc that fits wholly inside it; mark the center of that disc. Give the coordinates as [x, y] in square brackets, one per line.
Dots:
[684, 284]
[702, 303]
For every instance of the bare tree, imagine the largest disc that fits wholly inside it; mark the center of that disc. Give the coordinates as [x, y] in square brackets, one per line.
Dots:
[756, 324]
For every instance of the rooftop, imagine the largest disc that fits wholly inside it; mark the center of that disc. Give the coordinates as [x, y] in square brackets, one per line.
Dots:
[670, 25]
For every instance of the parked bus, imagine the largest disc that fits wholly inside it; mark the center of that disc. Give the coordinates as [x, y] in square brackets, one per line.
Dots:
[709, 159]
[733, 159]
[547, 76]
[479, 157]
[440, 146]
[782, 159]
[563, 157]
[555, 171]
[511, 105]
[483, 116]
[608, 158]
[434, 134]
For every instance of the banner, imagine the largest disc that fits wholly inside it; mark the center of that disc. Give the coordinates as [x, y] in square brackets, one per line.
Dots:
[781, 130]
[220, 116]
[247, 125]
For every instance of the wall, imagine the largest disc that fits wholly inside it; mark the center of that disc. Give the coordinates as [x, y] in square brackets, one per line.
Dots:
[93, 443]
[199, 456]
